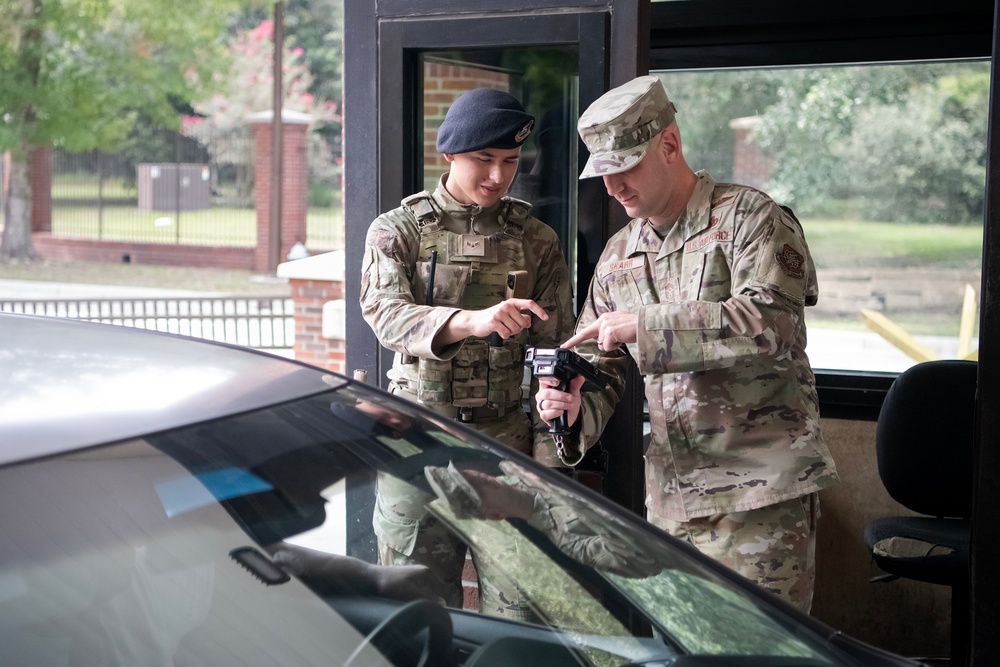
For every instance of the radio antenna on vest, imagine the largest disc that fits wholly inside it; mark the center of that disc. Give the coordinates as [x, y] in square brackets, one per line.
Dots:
[430, 281]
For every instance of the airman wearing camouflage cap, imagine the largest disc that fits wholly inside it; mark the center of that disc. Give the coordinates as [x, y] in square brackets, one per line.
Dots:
[434, 289]
[705, 291]
[617, 131]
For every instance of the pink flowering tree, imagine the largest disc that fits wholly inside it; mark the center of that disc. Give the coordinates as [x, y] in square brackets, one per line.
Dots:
[246, 88]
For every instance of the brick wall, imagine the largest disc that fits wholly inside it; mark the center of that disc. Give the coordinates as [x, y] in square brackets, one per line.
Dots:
[317, 286]
[750, 166]
[64, 249]
[443, 83]
[311, 347]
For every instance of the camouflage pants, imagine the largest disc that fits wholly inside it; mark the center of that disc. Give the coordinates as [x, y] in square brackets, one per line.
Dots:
[774, 545]
[408, 534]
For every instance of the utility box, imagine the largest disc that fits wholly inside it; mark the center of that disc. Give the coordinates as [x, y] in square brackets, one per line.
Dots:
[174, 186]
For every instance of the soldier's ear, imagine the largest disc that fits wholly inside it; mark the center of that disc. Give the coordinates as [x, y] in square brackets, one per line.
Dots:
[448, 157]
[669, 143]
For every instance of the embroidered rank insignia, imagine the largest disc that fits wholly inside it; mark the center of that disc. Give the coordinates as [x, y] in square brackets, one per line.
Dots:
[473, 245]
[672, 293]
[791, 261]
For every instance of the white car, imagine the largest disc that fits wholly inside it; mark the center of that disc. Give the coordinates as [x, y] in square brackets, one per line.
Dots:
[166, 501]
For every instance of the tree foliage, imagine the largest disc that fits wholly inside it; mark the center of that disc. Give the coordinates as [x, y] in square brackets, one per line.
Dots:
[75, 74]
[246, 86]
[316, 27]
[884, 142]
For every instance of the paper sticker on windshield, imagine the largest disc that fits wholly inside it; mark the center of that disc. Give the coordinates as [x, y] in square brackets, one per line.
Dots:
[187, 493]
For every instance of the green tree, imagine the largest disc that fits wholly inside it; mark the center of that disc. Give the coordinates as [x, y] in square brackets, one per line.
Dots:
[925, 159]
[706, 101]
[75, 74]
[902, 142]
[317, 27]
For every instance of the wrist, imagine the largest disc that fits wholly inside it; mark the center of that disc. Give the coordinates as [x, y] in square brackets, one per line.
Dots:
[456, 328]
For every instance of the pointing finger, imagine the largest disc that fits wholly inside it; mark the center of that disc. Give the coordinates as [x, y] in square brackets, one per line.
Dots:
[589, 332]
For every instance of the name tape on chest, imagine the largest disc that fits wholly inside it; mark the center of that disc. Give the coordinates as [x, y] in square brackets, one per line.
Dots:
[624, 265]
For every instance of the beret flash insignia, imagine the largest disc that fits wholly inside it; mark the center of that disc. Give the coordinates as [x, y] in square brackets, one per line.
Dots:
[524, 132]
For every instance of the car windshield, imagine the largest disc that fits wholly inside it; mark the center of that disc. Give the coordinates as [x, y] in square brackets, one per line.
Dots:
[157, 550]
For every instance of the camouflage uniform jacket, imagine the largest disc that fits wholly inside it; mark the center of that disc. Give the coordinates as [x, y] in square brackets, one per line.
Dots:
[394, 279]
[721, 345]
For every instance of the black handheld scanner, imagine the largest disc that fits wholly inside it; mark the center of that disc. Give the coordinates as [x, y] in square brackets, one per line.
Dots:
[564, 365]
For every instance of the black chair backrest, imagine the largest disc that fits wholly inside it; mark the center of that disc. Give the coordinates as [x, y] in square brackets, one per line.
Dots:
[924, 439]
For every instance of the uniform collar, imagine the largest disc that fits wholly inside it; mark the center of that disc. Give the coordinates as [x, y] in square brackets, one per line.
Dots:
[694, 219]
[458, 211]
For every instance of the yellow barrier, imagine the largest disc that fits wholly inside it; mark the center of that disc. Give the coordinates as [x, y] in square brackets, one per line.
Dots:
[896, 335]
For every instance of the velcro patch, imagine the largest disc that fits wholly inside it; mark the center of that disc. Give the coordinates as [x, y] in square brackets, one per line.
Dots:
[473, 245]
[791, 261]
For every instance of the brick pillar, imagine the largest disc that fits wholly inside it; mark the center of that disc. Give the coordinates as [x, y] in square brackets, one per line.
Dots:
[40, 177]
[750, 166]
[317, 284]
[295, 181]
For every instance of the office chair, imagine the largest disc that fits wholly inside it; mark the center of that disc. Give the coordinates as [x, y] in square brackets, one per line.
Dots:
[924, 442]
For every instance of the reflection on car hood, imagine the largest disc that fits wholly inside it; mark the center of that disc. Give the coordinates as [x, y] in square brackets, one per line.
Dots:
[66, 384]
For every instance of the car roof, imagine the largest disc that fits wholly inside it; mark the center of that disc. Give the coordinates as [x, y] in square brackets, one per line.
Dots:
[67, 384]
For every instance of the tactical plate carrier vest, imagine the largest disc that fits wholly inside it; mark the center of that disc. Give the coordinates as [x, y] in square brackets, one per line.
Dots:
[470, 273]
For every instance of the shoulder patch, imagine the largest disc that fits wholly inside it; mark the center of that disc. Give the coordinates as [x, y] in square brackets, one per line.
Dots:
[791, 261]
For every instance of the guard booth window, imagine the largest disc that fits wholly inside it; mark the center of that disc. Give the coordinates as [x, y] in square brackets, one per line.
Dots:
[884, 165]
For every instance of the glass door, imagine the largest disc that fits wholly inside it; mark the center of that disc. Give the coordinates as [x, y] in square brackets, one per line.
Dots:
[407, 62]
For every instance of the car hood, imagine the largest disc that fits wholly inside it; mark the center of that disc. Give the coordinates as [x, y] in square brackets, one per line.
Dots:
[66, 384]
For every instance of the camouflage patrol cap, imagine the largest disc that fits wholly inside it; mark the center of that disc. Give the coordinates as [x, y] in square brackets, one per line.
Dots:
[484, 118]
[617, 127]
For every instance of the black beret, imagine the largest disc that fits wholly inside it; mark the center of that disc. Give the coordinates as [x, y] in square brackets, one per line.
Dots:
[484, 118]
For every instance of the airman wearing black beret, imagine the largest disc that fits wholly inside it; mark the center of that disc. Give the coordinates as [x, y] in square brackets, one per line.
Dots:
[484, 118]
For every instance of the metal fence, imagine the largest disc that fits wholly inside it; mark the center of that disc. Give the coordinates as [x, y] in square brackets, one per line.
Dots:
[261, 322]
[162, 188]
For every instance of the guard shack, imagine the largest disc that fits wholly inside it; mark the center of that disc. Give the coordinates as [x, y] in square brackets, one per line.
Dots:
[406, 62]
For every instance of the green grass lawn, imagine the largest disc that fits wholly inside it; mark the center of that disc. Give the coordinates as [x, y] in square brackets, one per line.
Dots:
[216, 226]
[852, 243]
